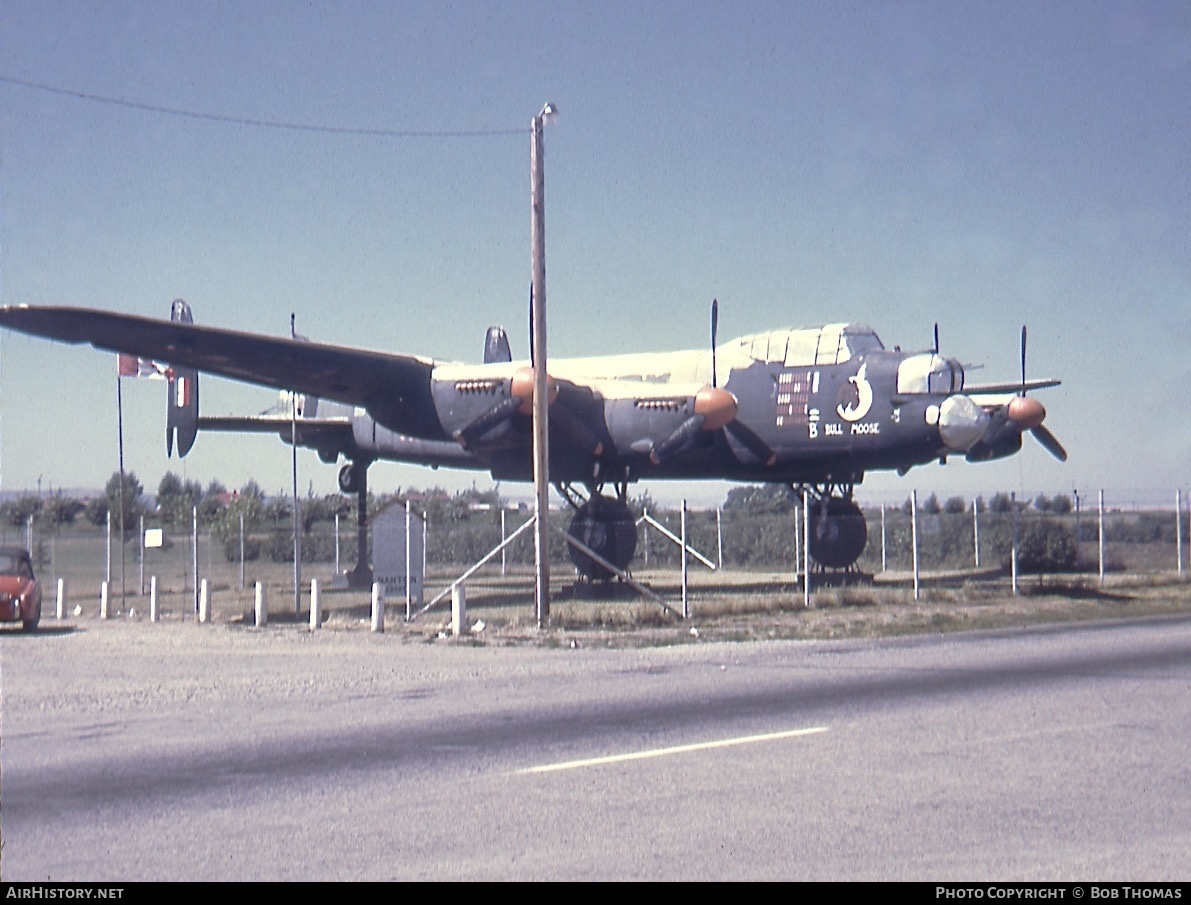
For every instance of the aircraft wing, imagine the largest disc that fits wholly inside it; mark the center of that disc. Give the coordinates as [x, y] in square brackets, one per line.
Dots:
[270, 424]
[394, 389]
[978, 389]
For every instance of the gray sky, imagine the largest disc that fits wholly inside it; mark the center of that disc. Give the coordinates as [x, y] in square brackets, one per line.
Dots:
[982, 165]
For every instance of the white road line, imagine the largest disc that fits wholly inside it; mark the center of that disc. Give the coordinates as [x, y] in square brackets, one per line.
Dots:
[666, 752]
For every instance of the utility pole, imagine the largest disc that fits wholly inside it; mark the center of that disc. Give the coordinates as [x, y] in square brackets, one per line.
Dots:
[541, 401]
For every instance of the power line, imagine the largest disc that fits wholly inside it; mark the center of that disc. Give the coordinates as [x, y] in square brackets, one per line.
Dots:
[260, 123]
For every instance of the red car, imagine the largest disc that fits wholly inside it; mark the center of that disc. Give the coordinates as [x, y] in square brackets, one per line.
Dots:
[20, 592]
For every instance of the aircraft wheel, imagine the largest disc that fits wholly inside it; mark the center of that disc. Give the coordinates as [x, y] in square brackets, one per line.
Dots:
[349, 478]
[839, 532]
[607, 527]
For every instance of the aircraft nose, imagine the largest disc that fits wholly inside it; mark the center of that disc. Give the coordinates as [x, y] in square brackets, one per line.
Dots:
[1027, 413]
[961, 422]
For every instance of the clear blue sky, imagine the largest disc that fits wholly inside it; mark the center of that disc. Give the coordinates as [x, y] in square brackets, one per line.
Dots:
[981, 165]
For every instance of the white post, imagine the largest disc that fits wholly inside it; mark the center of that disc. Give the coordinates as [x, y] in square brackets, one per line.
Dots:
[975, 534]
[336, 543]
[1102, 537]
[806, 550]
[645, 533]
[408, 566]
[884, 560]
[1013, 550]
[914, 539]
[204, 614]
[60, 608]
[262, 606]
[378, 607]
[194, 554]
[103, 600]
[686, 605]
[315, 605]
[107, 575]
[1178, 530]
[142, 545]
[503, 565]
[242, 550]
[719, 538]
[154, 613]
[458, 608]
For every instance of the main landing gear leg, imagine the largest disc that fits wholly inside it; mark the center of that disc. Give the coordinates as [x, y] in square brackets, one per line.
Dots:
[353, 478]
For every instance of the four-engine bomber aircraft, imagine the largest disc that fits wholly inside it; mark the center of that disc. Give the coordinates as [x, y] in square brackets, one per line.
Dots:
[811, 408]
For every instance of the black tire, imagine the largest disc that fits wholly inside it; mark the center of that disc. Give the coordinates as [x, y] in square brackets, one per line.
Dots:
[607, 527]
[839, 534]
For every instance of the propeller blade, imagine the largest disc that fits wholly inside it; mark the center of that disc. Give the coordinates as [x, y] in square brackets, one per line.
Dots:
[575, 429]
[747, 438]
[483, 423]
[1049, 442]
[1023, 359]
[936, 337]
[679, 439]
[715, 325]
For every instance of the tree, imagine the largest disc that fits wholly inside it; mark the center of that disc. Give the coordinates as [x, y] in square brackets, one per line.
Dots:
[17, 512]
[176, 500]
[126, 507]
[63, 510]
[955, 505]
[1001, 502]
[761, 499]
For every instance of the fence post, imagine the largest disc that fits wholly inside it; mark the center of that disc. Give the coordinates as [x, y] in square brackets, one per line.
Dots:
[1101, 542]
[914, 536]
[262, 606]
[806, 549]
[975, 533]
[686, 605]
[154, 615]
[194, 554]
[315, 605]
[1178, 529]
[378, 607]
[204, 614]
[1013, 550]
[884, 566]
[103, 600]
[60, 607]
[458, 608]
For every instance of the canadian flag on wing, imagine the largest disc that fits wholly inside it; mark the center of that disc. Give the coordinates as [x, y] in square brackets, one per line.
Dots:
[131, 366]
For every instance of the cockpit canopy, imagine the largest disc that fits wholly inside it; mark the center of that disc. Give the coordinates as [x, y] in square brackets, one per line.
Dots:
[929, 373]
[828, 345]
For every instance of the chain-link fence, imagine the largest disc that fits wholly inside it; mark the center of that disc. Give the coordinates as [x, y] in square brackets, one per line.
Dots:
[730, 548]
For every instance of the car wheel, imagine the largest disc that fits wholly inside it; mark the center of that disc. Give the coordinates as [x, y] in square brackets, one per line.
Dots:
[31, 624]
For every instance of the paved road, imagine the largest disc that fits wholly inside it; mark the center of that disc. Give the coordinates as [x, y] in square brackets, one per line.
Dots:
[175, 751]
